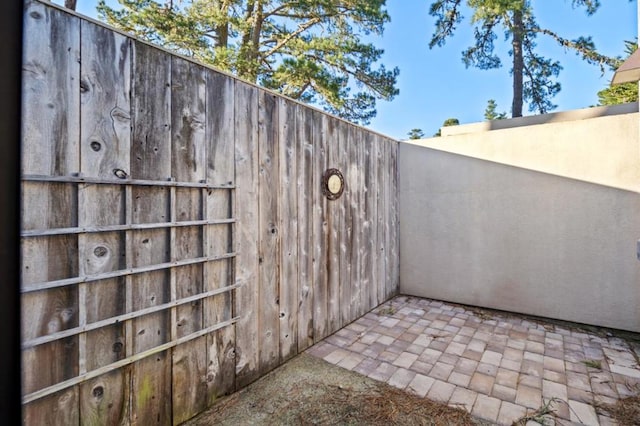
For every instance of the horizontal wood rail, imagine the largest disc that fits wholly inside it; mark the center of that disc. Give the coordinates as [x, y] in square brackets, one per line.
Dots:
[125, 181]
[115, 228]
[27, 288]
[124, 317]
[118, 364]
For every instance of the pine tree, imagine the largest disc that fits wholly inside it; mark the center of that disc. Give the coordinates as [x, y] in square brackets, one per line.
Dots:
[415, 134]
[448, 122]
[490, 112]
[533, 75]
[620, 93]
[310, 50]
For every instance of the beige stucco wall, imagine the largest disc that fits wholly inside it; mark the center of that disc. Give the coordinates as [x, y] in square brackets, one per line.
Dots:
[541, 219]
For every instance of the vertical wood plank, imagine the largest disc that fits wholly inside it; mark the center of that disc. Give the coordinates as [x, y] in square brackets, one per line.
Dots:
[188, 164]
[105, 147]
[150, 159]
[288, 230]
[220, 137]
[388, 219]
[268, 237]
[51, 91]
[335, 223]
[305, 153]
[346, 225]
[372, 209]
[393, 244]
[319, 227]
[365, 216]
[50, 116]
[382, 182]
[356, 219]
[60, 408]
[247, 212]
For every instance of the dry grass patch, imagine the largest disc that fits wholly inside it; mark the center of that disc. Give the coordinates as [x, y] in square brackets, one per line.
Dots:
[625, 411]
[309, 391]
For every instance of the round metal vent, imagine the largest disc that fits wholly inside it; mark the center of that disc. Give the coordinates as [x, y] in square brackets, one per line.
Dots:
[332, 184]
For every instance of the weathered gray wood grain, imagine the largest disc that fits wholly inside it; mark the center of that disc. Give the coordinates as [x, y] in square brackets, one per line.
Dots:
[50, 117]
[188, 164]
[364, 262]
[372, 220]
[220, 170]
[150, 159]
[288, 229]
[394, 235]
[354, 153]
[105, 146]
[345, 225]
[60, 408]
[247, 212]
[308, 265]
[382, 217]
[268, 232]
[334, 219]
[319, 228]
[304, 131]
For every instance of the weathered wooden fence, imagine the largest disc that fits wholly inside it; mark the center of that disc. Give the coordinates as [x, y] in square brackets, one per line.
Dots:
[176, 244]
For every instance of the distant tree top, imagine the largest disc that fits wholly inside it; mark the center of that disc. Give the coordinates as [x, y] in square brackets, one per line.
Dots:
[415, 134]
[620, 93]
[310, 50]
[534, 76]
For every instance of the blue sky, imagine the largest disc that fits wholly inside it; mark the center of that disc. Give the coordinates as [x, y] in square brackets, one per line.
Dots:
[435, 85]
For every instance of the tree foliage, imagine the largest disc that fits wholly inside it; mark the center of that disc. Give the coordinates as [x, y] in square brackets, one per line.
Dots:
[415, 134]
[534, 76]
[448, 122]
[620, 93]
[491, 113]
[310, 50]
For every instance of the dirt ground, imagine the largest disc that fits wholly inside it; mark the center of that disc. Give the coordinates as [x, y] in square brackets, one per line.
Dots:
[310, 391]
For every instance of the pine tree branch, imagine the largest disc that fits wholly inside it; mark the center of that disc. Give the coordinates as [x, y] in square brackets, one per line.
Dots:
[582, 46]
[301, 28]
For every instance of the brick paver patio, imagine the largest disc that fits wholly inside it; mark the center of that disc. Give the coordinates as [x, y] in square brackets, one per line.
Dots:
[496, 366]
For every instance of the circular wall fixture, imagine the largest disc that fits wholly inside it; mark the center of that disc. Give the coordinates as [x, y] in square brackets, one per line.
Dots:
[332, 184]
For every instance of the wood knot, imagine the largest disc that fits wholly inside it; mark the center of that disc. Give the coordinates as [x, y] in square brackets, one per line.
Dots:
[100, 251]
[120, 174]
[35, 15]
[117, 347]
[98, 392]
[118, 114]
[96, 146]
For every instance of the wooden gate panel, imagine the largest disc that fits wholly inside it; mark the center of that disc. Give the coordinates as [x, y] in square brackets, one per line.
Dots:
[105, 130]
[188, 164]
[150, 159]
[288, 229]
[143, 173]
[220, 145]
[51, 130]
